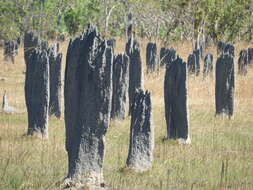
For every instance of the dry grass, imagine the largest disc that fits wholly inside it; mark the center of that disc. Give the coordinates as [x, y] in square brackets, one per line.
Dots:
[220, 156]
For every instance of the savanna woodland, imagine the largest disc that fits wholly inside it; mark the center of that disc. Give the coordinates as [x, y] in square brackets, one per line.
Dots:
[126, 94]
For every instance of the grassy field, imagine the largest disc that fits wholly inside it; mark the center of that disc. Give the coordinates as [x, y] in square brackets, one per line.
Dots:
[220, 156]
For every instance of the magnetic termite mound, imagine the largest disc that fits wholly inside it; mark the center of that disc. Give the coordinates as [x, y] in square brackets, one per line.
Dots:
[55, 63]
[225, 82]
[176, 101]
[208, 64]
[152, 62]
[88, 94]
[136, 80]
[37, 92]
[243, 62]
[120, 87]
[141, 146]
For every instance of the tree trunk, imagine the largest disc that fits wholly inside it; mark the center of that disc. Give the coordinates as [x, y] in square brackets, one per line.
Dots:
[129, 30]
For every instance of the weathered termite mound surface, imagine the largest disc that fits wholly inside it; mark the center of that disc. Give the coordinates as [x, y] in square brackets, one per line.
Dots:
[55, 65]
[176, 101]
[120, 87]
[37, 92]
[225, 82]
[243, 62]
[136, 79]
[88, 95]
[208, 65]
[11, 50]
[140, 155]
[167, 55]
[152, 62]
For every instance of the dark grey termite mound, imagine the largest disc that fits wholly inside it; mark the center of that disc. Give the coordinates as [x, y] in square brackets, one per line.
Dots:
[196, 52]
[88, 95]
[250, 55]
[220, 47]
[208, 64]
[193, 62]
[243, 62]
[10, 50]
[167, 55]
[172, 55]
[140, 155]
[31, 41]
[225, 85]
[229, 50]
[129, 46]
[111, 43]
[162, 56]
[37, 92]
[176, 101]
[120, 87]
[55, 62]
[151, 58]
[201, 45]
[225, 48]
[136, 80]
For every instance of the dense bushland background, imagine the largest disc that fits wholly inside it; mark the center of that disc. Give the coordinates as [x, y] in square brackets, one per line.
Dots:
[169, 20]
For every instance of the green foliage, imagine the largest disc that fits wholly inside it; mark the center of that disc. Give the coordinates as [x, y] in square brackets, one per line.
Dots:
[11, 24]
[72, 20]
[220, 19]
